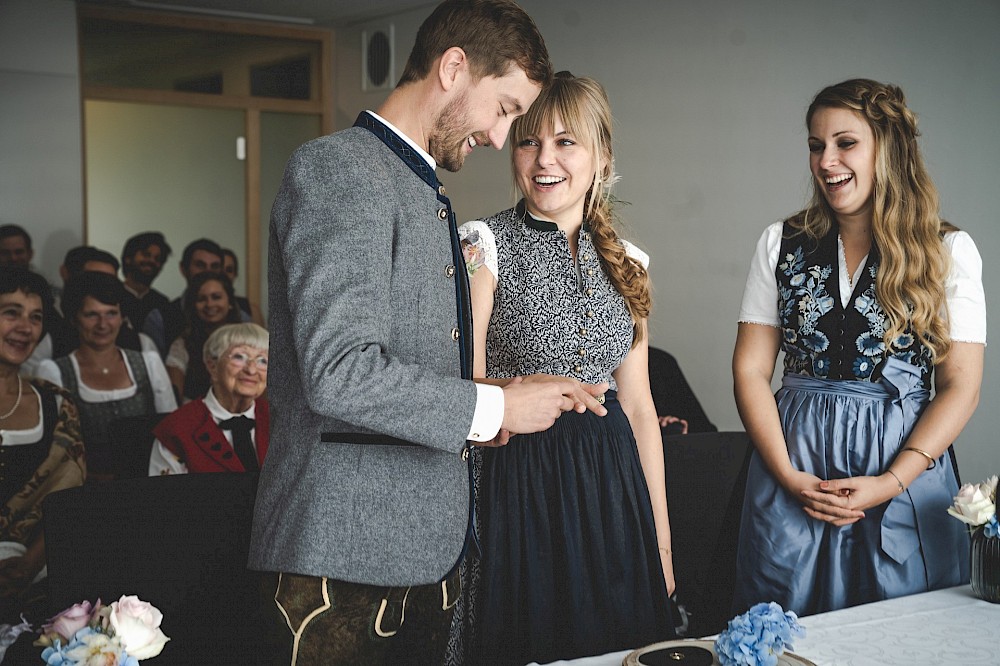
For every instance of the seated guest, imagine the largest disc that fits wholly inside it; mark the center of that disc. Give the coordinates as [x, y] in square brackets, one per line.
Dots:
[89, 259]
[40, 446]
[208, 303]
[15, 247]
[164, 324]
[231, 267]
[227, 430]
[107, 381]
[142, 260]
[678, 409]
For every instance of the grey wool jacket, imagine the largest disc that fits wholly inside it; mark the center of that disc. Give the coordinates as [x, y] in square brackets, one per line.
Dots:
[364, 479]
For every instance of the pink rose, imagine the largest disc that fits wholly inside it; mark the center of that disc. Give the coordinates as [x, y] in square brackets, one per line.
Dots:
[70, 621]
[137, 624]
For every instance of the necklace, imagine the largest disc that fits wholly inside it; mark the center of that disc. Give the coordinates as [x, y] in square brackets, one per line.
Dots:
[16, 402]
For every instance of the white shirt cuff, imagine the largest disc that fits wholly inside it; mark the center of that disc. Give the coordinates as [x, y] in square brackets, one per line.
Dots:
[488, 418]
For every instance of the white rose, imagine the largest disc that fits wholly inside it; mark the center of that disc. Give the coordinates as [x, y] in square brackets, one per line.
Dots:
[989, 488]
[137, 624]
[972, 506]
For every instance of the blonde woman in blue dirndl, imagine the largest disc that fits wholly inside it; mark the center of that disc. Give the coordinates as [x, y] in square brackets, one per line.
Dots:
[873, 299]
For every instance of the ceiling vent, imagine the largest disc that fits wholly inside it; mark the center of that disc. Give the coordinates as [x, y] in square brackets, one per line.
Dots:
[378, 59]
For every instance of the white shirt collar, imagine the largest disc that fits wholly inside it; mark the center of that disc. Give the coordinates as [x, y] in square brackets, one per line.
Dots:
[420, 151]
[220, 413]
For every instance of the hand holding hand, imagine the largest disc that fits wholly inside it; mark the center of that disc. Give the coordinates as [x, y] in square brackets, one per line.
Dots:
[533, 404]
[820, 503]
[855, 494]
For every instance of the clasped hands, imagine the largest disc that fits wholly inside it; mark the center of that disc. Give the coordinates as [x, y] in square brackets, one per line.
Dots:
[533, 403]
[840, 501]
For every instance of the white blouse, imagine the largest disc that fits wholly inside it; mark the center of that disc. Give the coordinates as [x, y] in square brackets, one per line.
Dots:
[163, 392]
[964, 295]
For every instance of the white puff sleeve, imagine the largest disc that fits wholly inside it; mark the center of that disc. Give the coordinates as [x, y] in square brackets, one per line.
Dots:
[964, 294]
[479, 246]
[760, 296]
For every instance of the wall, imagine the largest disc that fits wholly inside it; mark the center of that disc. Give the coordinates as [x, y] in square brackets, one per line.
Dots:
[41, 181]
[709, 98]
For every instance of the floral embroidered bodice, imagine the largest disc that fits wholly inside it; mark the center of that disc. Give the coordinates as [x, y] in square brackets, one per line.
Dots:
[820, 337]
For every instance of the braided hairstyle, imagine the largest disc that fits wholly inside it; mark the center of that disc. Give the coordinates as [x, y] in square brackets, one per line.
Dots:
[582, 105]
[906, 224]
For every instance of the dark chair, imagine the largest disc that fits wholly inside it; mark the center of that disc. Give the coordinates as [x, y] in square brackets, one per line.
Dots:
[179, 542]
[706, 478]
[131, 442]
[672, 395]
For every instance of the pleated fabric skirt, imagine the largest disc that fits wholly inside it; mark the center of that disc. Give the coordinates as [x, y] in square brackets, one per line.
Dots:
[839, 429]
[570, 565]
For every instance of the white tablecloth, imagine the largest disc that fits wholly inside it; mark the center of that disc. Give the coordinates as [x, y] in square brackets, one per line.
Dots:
[943, 627]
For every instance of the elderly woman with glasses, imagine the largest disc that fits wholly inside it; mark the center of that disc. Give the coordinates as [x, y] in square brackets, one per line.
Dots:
[227, 429]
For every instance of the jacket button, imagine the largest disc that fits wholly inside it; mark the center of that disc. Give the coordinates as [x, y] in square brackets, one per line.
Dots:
[583, 331]
[581, 351]
[590, 271]
[590, 313]
[589, 292]
[577, 368]
[441, 190]
[586, 257]
[449, 271]
[455, 334]
[443, 213]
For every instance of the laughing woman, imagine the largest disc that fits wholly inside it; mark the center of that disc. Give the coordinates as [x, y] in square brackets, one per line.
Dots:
[873, 298]
[576, 558]
[41, 450]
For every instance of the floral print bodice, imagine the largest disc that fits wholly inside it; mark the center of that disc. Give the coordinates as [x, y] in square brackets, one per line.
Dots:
[820, 337]
[551, 314]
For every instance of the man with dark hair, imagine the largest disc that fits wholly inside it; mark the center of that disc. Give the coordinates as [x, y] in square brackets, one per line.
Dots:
[363, 506]
[231, 269]
[164, 324]
[143, 258]
[15, 247]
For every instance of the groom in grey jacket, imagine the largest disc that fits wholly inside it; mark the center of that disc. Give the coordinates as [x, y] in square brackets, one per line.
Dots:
[363, 511]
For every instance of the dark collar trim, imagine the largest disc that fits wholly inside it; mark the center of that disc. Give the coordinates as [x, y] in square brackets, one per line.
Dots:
[402, 149]
[540, 225]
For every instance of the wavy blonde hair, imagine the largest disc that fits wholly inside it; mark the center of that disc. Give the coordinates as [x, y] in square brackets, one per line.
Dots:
[582, 105]
[906, 224]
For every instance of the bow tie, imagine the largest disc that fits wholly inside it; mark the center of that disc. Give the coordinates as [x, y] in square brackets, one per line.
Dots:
[238, 423]
[242, 443]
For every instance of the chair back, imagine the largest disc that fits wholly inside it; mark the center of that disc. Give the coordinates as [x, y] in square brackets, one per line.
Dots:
[706, 478]
[179, 542]
[131, 442]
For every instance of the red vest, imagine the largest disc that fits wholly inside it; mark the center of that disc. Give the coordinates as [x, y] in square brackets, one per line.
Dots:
[193, 436]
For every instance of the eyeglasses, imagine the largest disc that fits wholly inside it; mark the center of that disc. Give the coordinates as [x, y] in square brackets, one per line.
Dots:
[240, 360]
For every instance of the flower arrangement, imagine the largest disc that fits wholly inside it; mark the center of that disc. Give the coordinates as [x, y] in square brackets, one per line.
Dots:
[758, 637]
[976, 505]
[121, 634]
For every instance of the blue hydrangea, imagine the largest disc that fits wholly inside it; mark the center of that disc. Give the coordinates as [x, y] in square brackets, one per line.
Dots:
[757, 637]
[86, 645]
[992, 528]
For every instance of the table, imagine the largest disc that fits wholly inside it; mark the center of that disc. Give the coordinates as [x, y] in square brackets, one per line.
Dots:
[948, 626]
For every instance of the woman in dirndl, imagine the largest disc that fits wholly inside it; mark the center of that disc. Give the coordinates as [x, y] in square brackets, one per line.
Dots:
[574, 526]
[873, 299]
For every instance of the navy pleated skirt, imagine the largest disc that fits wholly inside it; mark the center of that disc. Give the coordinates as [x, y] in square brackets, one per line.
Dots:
[570, 564]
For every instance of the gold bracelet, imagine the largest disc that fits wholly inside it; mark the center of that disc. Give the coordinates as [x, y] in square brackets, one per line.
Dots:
[901, 488]
[931, 462]
[665, 551]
